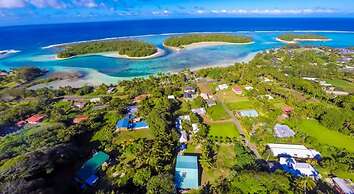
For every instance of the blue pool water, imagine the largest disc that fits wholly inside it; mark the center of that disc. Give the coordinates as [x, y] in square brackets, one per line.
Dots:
[30, 40]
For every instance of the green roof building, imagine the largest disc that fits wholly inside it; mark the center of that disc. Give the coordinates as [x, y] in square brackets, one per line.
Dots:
[88, 171]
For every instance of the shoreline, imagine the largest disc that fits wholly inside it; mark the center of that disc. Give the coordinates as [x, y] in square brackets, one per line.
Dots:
[93, 77]
[114, 54]
[204, 44]
[297, 40]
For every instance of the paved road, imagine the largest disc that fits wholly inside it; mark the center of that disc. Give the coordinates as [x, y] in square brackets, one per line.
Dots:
[237, 123]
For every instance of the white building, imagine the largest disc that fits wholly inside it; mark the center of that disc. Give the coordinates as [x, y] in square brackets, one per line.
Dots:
[195, 127]
[184, 137]
[95, 100]
[290, 150]
[222, 87]
[200, 111]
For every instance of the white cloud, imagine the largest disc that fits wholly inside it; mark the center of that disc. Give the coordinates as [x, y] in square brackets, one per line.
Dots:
[47, 3]
[161, 13]
[268, 11]
[12, 4]
[86, 3]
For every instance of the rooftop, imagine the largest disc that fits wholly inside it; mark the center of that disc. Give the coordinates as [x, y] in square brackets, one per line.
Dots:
[283, 131]
[91, 166]
[296, 151]
[187, 176]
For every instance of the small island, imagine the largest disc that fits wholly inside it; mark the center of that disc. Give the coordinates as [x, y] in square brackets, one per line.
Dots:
[295, 38]
[197, 40]
[131, 49]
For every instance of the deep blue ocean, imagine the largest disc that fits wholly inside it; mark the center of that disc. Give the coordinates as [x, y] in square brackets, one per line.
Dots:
[30, 40]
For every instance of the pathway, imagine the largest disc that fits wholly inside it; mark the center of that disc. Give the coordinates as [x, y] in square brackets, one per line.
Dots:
[237, 123]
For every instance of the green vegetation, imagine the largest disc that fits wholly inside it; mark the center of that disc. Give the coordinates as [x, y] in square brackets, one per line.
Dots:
[225, 129]
[324, 135]
[133, 135]
[217, 112]
[295, 37]
[131, 48]
[244, 104]
[181, 41]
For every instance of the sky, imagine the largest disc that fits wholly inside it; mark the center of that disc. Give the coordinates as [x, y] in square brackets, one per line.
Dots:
[20, 12]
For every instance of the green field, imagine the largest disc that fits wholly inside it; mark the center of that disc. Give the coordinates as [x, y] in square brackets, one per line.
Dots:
[342, 84]
[225, 160]
[217, 112]
[326, 136]
[240, 105]
[226, 129]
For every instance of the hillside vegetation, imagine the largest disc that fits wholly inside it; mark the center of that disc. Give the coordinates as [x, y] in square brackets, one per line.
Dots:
[180, 41]
[294, 37]
[131, 48]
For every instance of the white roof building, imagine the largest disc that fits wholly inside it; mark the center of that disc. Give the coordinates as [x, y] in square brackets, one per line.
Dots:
[299, 168]
[295, 151]
[343, 186]
[195, 128]
[171, 97]
[184, 137]
[222, 87]
[248, 88]
[95, 100]
[199, 111]
[205, 96]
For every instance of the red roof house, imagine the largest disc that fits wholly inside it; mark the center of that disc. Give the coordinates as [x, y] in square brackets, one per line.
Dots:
[20, 124]
[80, 118]
[35, 119]
[237, 90]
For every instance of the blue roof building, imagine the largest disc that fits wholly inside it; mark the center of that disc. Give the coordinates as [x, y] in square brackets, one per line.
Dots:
[187, 174]
[123, 123]
[248, 113]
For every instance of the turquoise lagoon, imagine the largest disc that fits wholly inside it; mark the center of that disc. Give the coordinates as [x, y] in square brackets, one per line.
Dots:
[109, 70]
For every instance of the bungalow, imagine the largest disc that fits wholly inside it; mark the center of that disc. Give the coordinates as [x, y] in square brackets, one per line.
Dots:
[189, 89]
[205, 96]
[179, 121]
[21, 124]
[343, 186]
[187, 173]
[294, 151]
[195, 127]
[248, 88]
[35, 119]
[199, 111]
[222, 87]
[171, 97]
[95, 100]
[237, 90]
[247, 113]
[210, 102]
[111, 90]
[79, 104]
[282, 131]
[184, 137]
[87, 175]
[80, 118]
[130, 122]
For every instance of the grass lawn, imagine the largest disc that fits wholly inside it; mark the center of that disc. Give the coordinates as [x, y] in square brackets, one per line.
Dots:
[217, 112]
[345, 85]
[229, 96]
[131, 135]
[224, 162]
[326, 136]
[240, 105]
[193, 149]
[226, 129]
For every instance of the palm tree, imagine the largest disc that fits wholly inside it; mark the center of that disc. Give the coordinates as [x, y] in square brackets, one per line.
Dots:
[305, 184]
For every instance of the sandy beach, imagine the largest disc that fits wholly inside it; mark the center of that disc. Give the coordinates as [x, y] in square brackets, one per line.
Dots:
[160, 52]
[297, 40]
[204, 44]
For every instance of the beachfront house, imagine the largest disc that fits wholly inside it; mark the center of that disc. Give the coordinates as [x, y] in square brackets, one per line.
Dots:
[247, 113]
[35, 119]
[222, 87]
[342, 186]
[294, 151]
[283, 131]
[187, 173]
[237, 90]
[87, 174]
[199, 111]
